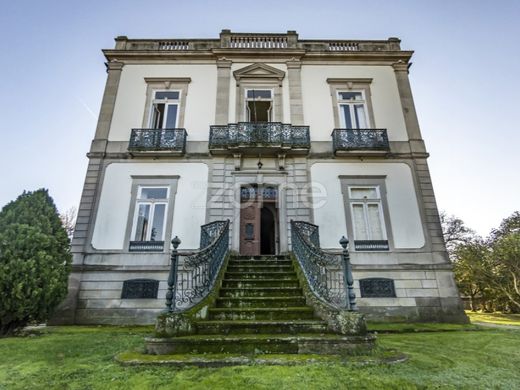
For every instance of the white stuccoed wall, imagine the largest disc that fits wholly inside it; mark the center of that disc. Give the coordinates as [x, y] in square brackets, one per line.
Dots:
[405, 218]
[317, 99]
[189, 210]
[131, 98]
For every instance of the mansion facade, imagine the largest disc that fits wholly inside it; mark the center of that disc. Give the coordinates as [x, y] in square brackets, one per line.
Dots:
[260, 130]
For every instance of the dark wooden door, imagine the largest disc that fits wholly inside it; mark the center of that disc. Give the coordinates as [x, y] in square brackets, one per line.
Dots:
[250, 228]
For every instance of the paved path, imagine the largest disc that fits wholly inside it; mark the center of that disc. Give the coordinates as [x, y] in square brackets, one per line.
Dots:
[497, 326]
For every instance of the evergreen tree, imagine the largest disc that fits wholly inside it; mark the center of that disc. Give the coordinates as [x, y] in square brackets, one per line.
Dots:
[34, 260]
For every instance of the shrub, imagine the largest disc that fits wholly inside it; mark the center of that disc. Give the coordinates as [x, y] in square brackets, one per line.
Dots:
[34, 260]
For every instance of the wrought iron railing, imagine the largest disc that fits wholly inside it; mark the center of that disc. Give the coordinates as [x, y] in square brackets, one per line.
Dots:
[359, 139]
[158, 140]
[258, 134]
[146, 246]
[371, 245]
[192, 280]
[324, 271]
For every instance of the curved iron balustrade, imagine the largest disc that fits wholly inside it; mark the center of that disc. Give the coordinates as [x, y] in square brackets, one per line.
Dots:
[259, 134]
[196, 276]
[325, 272]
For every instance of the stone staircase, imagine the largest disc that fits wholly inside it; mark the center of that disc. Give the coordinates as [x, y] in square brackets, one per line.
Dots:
[260, 308]
[261, 295]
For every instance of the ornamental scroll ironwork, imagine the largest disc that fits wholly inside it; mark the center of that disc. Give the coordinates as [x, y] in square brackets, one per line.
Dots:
[259, 134]
[377, 288]
[252, 192]
[196, 275]
[158, 139]
[324, 271]
[140, 289]
[360, 139]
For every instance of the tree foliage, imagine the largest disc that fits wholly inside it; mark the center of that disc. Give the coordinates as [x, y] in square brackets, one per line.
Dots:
[486, 270]
[34, 260]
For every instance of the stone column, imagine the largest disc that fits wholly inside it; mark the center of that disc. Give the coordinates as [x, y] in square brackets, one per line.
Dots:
[295, 91]
[410, 115]
[223, 83]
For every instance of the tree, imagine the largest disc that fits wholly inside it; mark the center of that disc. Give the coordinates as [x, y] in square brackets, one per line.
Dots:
[469, 268]
[455, 232]
[34, 260]
[504, 274]
[68, 220]
[508, 225]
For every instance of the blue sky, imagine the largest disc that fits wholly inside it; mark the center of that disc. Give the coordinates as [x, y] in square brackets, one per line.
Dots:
[465, 79]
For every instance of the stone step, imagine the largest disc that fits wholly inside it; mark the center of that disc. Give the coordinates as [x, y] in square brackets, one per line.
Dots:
[235, 292]
[241, 283]
[277, 301]
[261, 257]
[261, 327]
[241, 263]
[262, 313]
[281, 275]
[261, 344]
[260, 268]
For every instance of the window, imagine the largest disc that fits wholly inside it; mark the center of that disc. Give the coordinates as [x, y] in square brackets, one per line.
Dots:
[366, 212]
[165, 110]
[367, 216]
[165, 102]
[259, 105]
[352, 103]
[150, 214]
[352, 110]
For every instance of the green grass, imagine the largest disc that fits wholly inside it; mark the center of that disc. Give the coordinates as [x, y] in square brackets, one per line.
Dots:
[83, 358]
[409, 327]
[494, 318]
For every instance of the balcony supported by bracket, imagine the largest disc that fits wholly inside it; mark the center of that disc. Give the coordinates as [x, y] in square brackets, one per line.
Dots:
[360, 142]
[158, 142]
[265, 138]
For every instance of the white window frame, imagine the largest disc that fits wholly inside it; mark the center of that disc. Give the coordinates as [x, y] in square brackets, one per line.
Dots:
[365, 202]
[350, 104]
[167, 102]
[246, 100]
[152, 203]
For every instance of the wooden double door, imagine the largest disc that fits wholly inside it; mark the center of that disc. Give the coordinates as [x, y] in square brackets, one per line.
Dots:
[259, 221]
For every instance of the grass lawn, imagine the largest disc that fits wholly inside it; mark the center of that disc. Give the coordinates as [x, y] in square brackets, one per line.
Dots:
[494, 318]
[82, 358]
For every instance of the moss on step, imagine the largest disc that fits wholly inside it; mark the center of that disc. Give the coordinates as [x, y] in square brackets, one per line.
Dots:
[378, 356]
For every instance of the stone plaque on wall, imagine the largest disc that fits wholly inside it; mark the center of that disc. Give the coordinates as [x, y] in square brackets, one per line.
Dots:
[377, 288]
[140, 289]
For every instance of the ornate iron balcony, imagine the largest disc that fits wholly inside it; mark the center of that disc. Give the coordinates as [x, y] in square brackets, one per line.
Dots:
[173, 140]
[360, 139]
[259, 135]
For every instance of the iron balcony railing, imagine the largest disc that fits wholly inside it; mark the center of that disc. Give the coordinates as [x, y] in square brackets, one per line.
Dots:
[329, 276]
[259, 134]
[359, 139]
[371, 245]
[158, 140]
[146, 246]
[192, 280]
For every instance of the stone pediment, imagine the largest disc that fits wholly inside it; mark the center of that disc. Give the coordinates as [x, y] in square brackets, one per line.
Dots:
[259, 71]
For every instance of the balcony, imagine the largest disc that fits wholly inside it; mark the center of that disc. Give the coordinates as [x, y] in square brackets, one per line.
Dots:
[158, 141]
[259, 137]
[360, 141]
